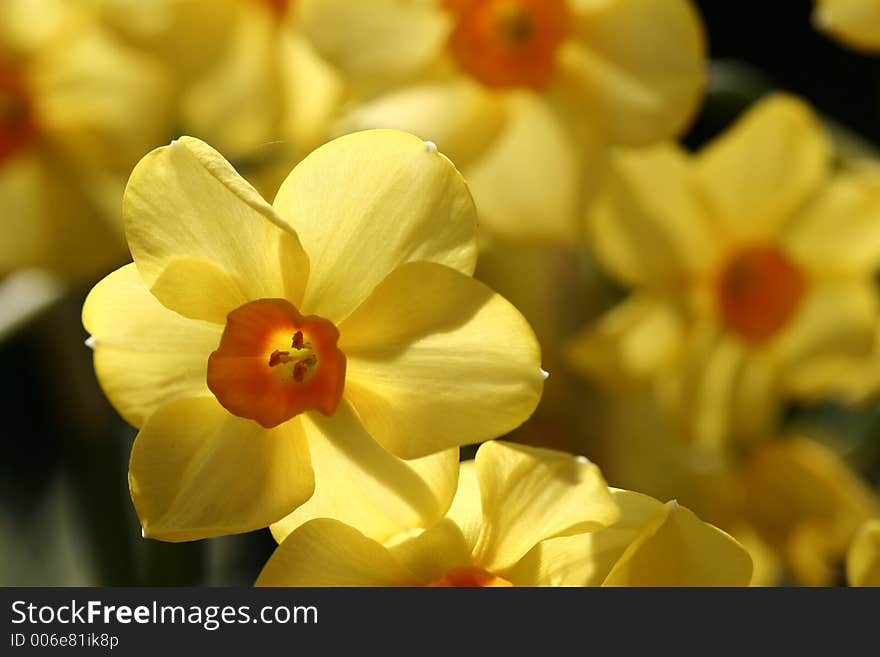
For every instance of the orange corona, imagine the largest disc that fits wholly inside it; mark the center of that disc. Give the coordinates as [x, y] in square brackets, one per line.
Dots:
[508, 43]
[759, 291]
[17, 128]
[469, 578]
[273, 363]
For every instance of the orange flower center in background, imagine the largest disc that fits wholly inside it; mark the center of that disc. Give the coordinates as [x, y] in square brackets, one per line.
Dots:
[279, 8]
[17, 127]
[508, 43]
[273, 363]
[759, 290]
[469, 577]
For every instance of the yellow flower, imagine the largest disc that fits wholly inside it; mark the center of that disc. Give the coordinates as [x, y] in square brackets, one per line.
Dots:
[863, 559]
[71, 128]
[793, 503]
[247, 81]
[250, 342]
[521, 516]
[751, 265]
[523, 95]
[855, 23]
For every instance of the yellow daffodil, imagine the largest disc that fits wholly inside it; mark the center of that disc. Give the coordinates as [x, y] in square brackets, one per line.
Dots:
[521, 516]
[247, 81]
[751, 265]
[792, 502]
[252, 342]
[855, 23]
[523, 95]
[863, 559]
[72, 125]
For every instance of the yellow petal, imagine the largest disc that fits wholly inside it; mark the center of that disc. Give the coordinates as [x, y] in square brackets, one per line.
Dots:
[760, 171]
[48, 220]
[198, 471]
[357, 482]
[315, 91]
[235, 104]
[530, 494]
[648, 224]
[863, 559]
[638, 66]
[461, 117]
[855, 22]
[367, 202]
[585, 559]
[145, 354]
[808, 504]
[839, 232]
[432, 553]
[375, 40]
[326, 552]
[838, 319]
[631, 343]
[99, 101]
[202, 238]
[467, 510]
[27, 235]
[675, 548]
[721, 389]
[528, 184]
[437, 360]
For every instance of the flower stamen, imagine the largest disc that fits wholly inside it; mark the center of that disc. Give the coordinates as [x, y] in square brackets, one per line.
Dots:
[254, 375]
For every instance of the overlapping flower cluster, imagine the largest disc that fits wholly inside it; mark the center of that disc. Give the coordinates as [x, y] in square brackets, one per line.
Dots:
[313, 364]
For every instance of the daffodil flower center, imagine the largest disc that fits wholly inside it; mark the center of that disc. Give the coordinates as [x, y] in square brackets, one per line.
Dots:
[273, 363]
[279, 8]
[469, 577]
[17, 128]
[508, 43]
[759, 291]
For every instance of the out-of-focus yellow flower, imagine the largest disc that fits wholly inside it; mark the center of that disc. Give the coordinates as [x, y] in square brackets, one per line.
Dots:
[72, 124]
[793, 503]
[751, 265]
[855, 23]
[247, 81]
[863, 559]
[247, 336]
[521, 516]
[523, 95]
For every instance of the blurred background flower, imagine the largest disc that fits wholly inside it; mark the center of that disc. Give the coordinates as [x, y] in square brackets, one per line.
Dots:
[754, 405]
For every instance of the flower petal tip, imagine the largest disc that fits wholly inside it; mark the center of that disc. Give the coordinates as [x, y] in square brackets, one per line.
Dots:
[545, 374]
[583, 460]
[821, 20]
[430, 147]
[91, 343]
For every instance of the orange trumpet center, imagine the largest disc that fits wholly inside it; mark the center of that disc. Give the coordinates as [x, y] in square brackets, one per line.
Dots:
[508, 43]
[469, 578]
[759, 290]
[279, 8]
[17, 128]
[273, 363]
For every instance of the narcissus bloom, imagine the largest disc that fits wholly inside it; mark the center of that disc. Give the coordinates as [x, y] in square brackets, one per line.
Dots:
[247, 81]
[250, 342]
[521, 516]
[855, 23]
[751, 266]
[863, 560]
[523, 95]
[791, 501]
[71, 127]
